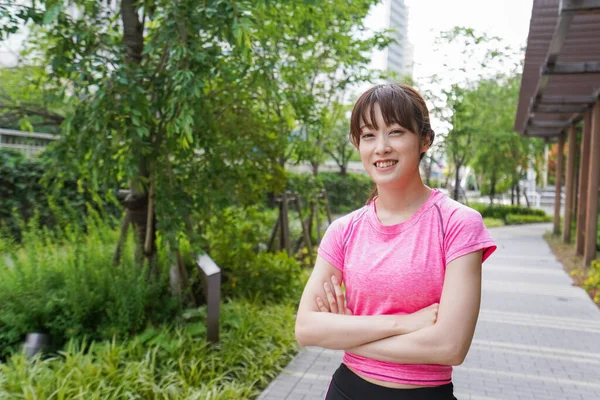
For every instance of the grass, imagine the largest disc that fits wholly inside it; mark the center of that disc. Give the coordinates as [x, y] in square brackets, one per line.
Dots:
[257, 341]
[105, 343]
[493, 222]
[573, 265]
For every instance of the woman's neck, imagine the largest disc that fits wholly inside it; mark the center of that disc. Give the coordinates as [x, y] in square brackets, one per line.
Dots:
[404, 199]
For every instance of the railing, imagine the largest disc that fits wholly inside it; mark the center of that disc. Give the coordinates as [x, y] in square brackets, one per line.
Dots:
[536, 197]
[26, 142]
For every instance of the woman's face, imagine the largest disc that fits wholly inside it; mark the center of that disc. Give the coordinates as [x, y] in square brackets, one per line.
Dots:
[390, 154]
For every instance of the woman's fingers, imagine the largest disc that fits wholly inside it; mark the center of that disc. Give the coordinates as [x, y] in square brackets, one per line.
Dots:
[335, 300]
[321, 305]
[333, 306]
[339, 295]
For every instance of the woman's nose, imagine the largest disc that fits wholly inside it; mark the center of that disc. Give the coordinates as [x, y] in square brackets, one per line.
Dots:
[383, 145]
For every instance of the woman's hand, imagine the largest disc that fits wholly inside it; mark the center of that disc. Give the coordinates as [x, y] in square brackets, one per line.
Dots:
[424, 317]
[336, 299]
[336, 303]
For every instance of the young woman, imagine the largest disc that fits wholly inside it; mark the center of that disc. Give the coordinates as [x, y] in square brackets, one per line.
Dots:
[410, 261]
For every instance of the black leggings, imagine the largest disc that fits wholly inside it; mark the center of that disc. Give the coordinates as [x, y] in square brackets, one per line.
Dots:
[346, 385]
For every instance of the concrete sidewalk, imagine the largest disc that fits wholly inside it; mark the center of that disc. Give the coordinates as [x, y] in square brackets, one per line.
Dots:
[538, 337]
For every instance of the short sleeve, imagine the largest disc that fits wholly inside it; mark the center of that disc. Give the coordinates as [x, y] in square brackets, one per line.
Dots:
[466, 233]
[331, 246]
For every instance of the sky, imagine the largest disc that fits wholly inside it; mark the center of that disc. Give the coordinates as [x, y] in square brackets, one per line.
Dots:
[508, 19]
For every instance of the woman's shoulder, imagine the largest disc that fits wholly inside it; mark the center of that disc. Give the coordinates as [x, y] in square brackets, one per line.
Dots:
[346, 221]
[452, 209]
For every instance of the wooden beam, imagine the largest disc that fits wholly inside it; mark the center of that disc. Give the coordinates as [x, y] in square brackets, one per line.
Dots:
[548, 124]
[591, 227]
[558, 180]
[570, 178]
[583, 182]
[541, 133]
[590, 100]
[571, 68]
[558, 38]
[572, 7]
[559, 109]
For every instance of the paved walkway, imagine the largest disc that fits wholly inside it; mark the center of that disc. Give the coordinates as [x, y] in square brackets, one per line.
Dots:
[538, 337]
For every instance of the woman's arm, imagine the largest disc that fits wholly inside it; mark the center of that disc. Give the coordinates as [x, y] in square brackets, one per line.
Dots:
[448, 340]
[336, 329]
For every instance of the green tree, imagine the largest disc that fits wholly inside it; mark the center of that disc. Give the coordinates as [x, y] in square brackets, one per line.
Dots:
[463, 138]
[189, 104]
[458, 95]
[321, 54]
[338, 145]
[24, 104]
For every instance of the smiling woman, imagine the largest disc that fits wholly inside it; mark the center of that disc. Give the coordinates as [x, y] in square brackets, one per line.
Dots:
[381, 118]
[410, 261]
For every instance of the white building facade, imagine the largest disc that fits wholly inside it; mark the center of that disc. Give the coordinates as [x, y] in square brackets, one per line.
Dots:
[400, 51]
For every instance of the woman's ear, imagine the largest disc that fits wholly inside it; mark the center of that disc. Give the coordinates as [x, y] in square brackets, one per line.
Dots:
[425, 143]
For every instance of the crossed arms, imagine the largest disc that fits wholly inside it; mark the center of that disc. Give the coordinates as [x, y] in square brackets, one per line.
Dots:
[430, 336]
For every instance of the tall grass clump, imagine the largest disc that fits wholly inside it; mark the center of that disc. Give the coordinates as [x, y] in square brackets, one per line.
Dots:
[63, 283]
[257, 341]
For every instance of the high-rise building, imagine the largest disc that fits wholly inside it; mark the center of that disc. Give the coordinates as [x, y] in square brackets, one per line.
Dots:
[400, 51]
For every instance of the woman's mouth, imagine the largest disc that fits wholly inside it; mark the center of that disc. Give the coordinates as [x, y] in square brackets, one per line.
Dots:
[385, 164]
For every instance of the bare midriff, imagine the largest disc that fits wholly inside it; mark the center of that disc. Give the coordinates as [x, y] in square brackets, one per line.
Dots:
[387, 384]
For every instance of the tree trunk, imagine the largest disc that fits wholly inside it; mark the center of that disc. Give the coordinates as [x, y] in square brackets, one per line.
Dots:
[138, 200]
[315, 168]
[428, 161]
[133, 36]
[343, 169]
[492, 188]
[457, 181]
[518, 194]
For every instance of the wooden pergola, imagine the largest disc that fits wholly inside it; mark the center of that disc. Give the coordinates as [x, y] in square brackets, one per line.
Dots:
[560, 88]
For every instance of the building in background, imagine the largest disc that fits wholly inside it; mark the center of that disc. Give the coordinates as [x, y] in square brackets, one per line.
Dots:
[400, 52]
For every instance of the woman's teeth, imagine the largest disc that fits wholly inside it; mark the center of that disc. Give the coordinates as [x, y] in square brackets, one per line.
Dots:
[385, 164]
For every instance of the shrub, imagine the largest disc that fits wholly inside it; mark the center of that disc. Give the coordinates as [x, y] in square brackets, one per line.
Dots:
[516, 219]
[345, 193]
[502, 211]
[22, 194]
[71, 289]
[257, 341]
[592, 282]
[237, 239]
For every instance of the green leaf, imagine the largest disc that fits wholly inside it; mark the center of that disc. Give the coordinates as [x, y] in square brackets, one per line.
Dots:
[52, 12]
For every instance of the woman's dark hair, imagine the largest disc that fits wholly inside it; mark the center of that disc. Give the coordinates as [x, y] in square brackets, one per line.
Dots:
[399, 104]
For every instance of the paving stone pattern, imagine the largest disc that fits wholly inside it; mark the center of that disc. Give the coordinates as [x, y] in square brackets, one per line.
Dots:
[538, 336]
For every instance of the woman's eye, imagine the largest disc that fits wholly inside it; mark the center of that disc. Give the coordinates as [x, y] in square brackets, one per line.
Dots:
[366, 135]
[396, 132]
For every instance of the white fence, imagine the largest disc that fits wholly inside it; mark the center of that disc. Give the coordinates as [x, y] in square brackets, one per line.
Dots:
[29, 143]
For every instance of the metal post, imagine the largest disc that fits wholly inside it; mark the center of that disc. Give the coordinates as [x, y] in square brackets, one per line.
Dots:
[558, 180]
[211, 278]
[35, 343]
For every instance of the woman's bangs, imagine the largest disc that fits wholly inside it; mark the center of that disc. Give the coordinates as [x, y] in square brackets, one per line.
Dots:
[396, 108]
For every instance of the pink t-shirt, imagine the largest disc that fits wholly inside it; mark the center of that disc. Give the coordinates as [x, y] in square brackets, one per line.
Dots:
[399, 269]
